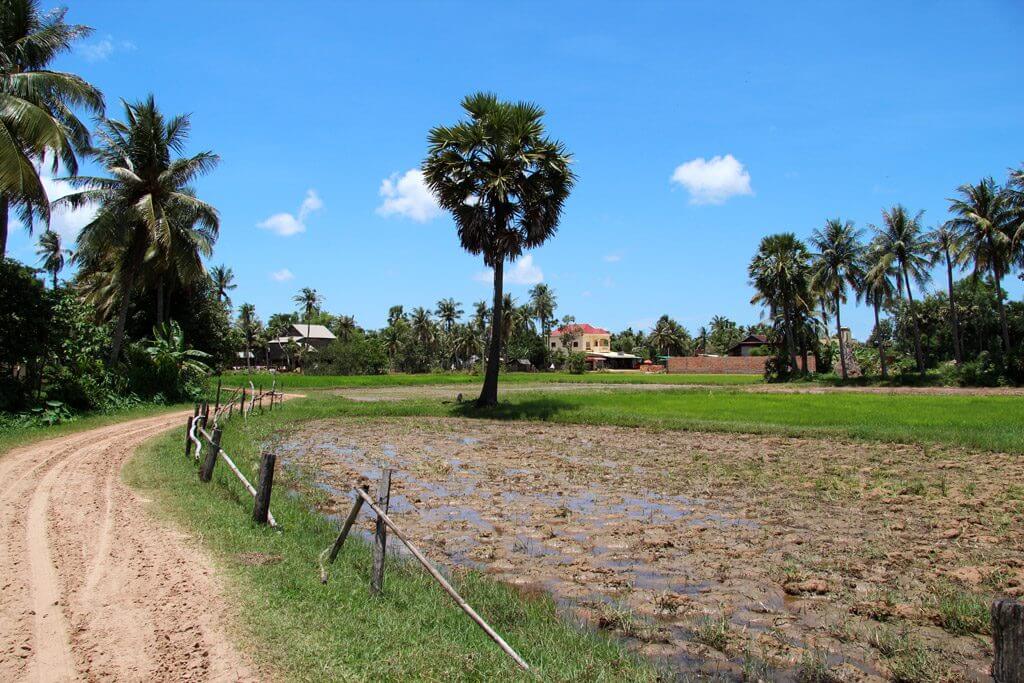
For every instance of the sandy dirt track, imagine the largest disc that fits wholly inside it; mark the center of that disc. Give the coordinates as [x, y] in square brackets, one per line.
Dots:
[92, 587]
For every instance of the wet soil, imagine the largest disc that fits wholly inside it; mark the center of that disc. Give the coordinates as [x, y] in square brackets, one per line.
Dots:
[720, 554]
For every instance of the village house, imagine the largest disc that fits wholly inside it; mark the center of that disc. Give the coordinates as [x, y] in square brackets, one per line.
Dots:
[306, 337]
[744, 347]
[595, 342]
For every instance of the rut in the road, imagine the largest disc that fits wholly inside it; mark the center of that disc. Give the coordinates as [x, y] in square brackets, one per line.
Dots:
[92, 587]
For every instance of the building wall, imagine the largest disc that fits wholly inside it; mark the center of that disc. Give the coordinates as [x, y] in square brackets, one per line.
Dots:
[722, 365]
[598, 342]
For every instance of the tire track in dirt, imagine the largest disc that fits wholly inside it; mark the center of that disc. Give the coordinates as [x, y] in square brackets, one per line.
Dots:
[92, 588]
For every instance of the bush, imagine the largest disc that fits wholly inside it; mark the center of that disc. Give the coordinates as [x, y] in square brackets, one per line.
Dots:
[24, 331]
[357, 356]
[576, 363]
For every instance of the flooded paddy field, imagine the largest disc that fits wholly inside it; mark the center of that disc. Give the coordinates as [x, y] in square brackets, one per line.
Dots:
[722, 555]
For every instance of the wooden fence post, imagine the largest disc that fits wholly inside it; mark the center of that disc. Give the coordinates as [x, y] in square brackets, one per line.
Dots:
[346, 527]
[263, 487]
[206, 471]
[1008, 638]
[217, 405]
[241, 403]
[188, 435]
[380, 538]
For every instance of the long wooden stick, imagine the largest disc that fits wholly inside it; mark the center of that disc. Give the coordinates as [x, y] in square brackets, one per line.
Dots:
[441, 580]
[238, 473]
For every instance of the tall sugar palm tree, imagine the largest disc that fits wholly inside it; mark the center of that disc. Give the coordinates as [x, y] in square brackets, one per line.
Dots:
[52, 253]
[248, 324]
[902, 245]
[543, 301]
[309, 302]
[149, 217]
[836, 264]
[780, 274]
[878, 290]
[37, 120]
[344, 327]
[985, 215]
[947, 246]
[505, 183]
[448, 312]
[223, 279]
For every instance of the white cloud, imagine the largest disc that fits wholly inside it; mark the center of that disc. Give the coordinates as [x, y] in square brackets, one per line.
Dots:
[101, 50]
[65, 221]
[283, 275]
[714, 180]
[522, 272]
[407, 195]
[614, 257]
[286, 224]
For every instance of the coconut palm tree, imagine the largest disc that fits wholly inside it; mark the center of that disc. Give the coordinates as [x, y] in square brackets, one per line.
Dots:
[51, 252]
[505, 183]
[149, 218]
[309, 302]
[344, 327]
[37, 120]
[903, 246]
[836, 264]
[947, 246]
[543, 301]
[448, 312]
[223, 279]
[422, 324]
[780, 273]
[249, 325]
[878, 290]
[667, 336]
[984, 214]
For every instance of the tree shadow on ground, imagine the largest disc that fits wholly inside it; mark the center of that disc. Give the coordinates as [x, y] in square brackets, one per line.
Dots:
[544, 408]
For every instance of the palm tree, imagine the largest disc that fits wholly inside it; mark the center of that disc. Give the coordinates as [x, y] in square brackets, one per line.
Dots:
[309, 301]
[422, 325]
[248, 324]
[836, 264]
[148, 212]
[505, 183]
[52, 254]
[985, 216]
[667, 336]
[947, 246]
[876, 288]
[36, 117]
[393, 337]
[903, 246]
[223, 279]
[543, 301]
[344, 327]
[780, 273]
[168, 350]
[448, 312]
[481, 315]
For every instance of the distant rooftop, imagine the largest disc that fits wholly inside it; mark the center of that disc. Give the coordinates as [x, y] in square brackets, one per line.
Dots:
[314, 331]
[579, 328]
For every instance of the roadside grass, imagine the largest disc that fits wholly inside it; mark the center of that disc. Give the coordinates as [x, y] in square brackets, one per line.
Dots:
[302, 630]
[23, 436]
[298, 381]
[993, 423]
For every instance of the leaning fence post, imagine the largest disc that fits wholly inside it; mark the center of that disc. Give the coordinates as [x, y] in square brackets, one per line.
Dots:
[206, 471]
[241, 403]
[217, 405]
[1008, 638]
[263, 488]
[380, 538]
[188, 435]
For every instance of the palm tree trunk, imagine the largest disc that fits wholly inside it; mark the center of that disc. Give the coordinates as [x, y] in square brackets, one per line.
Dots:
[3, 226]
[917, 328]
[790, 344]
[881, 349]
[54, 280]
[248, 355]
[998, 277]
[489, 392]
[839, 331]
[122, 317]
[160, 301]
[957, 353]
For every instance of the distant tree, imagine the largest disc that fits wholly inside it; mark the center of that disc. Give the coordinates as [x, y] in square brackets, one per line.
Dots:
[723, 336]
[223, 282]
[902, 245]
[423, 328]
[249, 324]
[505, 183]
[344, 327]
[668, 337]
[37, 117]
[780, 273]
[543, 302]
[448, 312]
[984, 214]
[836, 264]
[396, 313]
[946, 243]
[878, 290]
[308, 301]
[51, 252]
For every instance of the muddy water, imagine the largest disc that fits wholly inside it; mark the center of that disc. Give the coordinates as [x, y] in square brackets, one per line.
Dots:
[603, 523]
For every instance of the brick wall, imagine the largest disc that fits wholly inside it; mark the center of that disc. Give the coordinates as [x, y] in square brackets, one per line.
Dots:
[722, 365]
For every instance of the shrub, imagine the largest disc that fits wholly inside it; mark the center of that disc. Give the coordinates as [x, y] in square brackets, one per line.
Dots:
[357, 356]
[576, 363]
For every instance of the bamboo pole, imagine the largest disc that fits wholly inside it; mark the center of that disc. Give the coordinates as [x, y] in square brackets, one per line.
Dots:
[441, 580]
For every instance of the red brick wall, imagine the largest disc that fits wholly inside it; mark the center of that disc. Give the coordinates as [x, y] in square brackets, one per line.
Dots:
[722, 365]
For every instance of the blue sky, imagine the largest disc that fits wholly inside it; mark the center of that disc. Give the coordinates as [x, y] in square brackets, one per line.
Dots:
[696, 129]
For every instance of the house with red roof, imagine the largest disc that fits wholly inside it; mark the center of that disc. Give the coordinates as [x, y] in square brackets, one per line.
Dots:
[595, 342]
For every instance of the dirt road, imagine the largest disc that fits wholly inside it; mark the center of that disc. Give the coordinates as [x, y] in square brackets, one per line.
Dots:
[92, 587]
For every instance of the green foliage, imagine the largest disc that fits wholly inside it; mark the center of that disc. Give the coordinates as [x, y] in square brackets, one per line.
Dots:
[576, 363]
[24, 328]
[359, 355]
